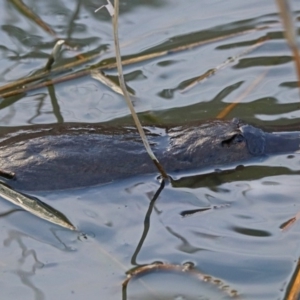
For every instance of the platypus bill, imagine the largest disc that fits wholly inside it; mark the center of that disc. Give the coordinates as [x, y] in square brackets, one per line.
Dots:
[70, 155]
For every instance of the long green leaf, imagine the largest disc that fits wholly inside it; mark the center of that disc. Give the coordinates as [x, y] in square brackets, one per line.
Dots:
[35, 206]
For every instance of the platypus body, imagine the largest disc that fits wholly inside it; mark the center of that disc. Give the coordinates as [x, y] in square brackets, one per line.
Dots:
[71, 155]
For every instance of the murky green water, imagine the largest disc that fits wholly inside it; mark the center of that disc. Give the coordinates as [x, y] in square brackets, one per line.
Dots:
[237, 236]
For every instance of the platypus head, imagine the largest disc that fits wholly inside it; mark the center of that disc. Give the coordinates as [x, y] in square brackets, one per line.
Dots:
[254, 137]
[215, 143]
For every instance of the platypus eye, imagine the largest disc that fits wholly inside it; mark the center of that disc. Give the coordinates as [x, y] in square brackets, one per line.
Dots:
[233, 140]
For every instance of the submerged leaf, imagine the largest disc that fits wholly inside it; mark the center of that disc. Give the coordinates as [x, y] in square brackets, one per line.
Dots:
[35, 206]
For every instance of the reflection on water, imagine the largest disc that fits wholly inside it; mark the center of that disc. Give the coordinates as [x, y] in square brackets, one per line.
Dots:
[226, 221]
[237, 240]
[28, 264]
[85, 100]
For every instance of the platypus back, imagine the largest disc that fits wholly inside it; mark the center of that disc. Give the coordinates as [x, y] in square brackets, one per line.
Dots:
[75, 155]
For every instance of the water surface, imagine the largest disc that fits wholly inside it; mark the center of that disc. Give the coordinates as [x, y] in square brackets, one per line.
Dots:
[235, 236]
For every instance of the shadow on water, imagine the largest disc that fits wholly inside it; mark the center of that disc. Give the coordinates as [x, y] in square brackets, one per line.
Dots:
[146, 224]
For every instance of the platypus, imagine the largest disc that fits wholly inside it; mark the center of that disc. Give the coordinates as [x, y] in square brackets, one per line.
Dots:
[62, 156]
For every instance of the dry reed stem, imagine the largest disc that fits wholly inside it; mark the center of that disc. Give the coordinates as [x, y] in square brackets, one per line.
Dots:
[32, 16]
[293, 289]
[289, 32]
[249, 89]
[126, 94]
[21, 82]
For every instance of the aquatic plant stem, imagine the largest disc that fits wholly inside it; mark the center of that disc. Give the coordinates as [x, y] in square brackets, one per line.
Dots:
[126, 94]
[249, 89]
[289, 32]
[21, 85]
[293, 288]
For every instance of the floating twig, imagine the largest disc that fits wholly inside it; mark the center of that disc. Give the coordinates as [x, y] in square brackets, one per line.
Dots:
[190, 46]
[187, 268]
[223, 65]
[106, 66]
[37, 77]
[98, 75]
[290, 222]
[45, 83]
